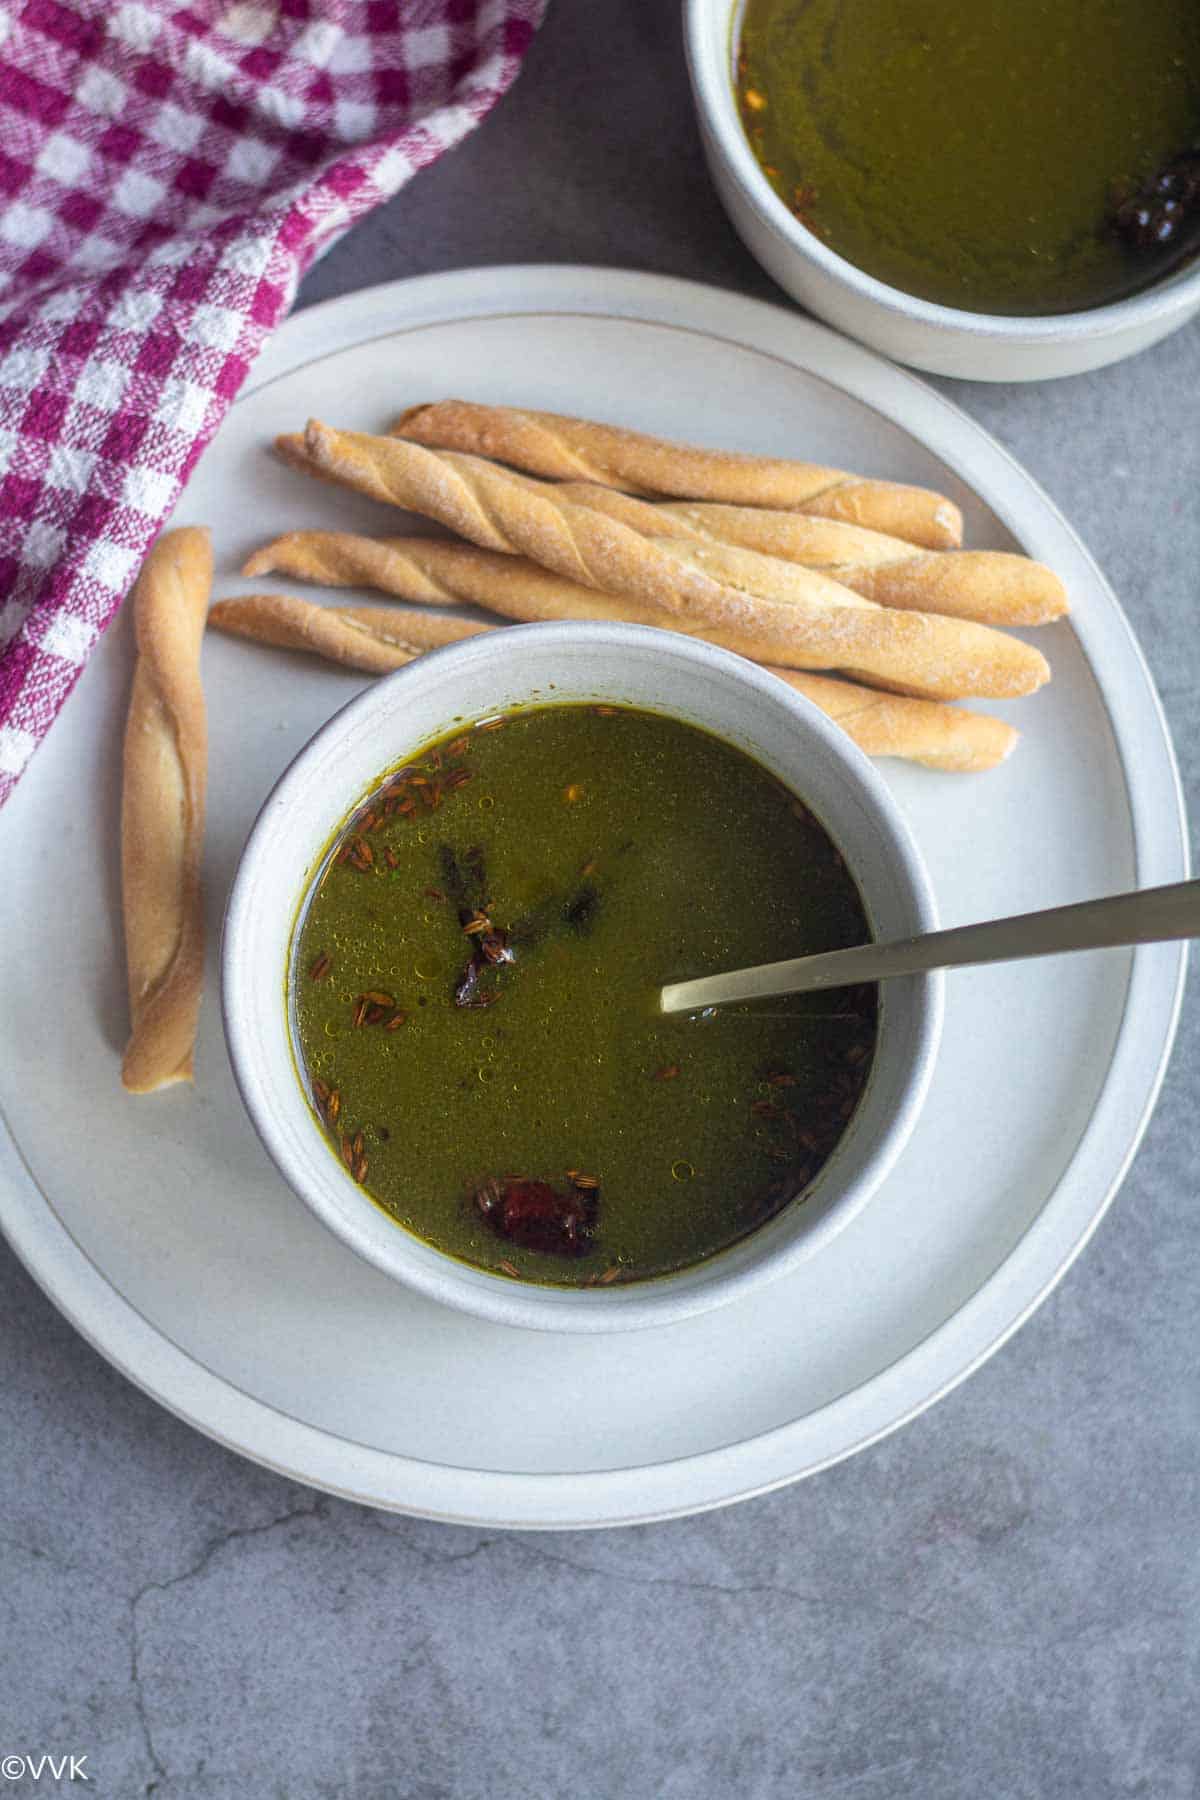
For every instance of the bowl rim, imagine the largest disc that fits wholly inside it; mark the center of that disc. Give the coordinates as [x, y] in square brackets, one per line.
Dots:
[404, 1256]
[712, 88]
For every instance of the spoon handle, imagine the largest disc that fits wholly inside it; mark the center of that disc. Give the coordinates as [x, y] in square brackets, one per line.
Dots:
[1149, 916]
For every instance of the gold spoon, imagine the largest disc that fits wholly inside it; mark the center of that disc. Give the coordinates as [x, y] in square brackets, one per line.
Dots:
[1149, 916]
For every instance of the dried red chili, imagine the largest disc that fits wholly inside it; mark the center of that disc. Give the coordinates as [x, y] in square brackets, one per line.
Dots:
[537, 1216]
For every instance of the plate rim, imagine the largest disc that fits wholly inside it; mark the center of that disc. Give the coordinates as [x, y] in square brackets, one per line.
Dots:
[652, 1492]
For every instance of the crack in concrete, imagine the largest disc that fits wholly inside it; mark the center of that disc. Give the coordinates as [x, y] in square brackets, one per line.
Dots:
[522, 1547]
[139, 1699]
[796, 1596]
[318, 1507]
[431, 1558]
[748, 1590]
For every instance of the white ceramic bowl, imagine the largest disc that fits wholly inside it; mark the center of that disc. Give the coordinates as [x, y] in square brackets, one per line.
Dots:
[943, 339]
[667, 673]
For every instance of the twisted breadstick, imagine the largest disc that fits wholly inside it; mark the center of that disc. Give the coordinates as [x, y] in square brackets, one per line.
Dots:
[496, 511]
[445, 574]
[378, 638]
[745, 572]
[831, 628]
[579, 450]
[920, 731]
[371, 638]
[162, 813]
[993, 586]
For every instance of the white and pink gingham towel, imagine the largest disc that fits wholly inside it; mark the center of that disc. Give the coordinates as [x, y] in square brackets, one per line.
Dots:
[167, 174]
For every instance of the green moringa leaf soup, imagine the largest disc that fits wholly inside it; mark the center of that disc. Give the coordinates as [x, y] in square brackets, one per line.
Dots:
[1005, 156]
[474, 982]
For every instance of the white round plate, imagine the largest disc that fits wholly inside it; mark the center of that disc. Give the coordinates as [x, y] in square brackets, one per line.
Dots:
[161, 1229]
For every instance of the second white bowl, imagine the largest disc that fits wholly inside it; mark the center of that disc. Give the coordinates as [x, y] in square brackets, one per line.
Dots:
[942, 339]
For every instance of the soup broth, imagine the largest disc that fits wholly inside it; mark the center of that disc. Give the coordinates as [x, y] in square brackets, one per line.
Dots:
[1034, 156]
[474, 994]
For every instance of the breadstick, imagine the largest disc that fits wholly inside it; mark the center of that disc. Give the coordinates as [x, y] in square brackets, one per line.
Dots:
[446, 574]
[371, 638]
[578, 450]
[921, 653]
[921, 731]
[431, 569]
[744, 571]
[993, 586]
[495, 510]
[937, 658]
[162, 812]
[376, 639]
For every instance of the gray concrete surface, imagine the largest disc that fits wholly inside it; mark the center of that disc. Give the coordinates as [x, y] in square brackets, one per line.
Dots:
[1003, 1600]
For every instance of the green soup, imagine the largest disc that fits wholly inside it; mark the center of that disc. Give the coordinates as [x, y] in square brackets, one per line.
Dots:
[1018, 156]
[474, 993]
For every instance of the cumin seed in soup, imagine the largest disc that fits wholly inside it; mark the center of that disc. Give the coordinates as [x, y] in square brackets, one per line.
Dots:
[474, 992]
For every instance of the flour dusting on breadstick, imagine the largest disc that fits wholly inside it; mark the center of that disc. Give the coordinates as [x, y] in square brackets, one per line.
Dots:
[921, 731]
[940, 658]
[162, 812]
[570, 449]
[373, 639]
[995, 587]
[490, 508]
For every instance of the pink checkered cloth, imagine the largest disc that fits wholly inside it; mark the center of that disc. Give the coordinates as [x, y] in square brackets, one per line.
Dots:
[167, 174]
